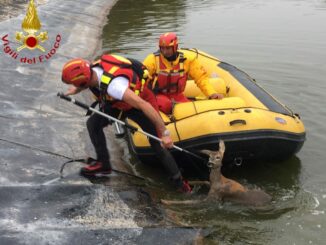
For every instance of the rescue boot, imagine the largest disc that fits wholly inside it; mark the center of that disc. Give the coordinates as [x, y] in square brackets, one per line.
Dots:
[96, 168]
[182, 185]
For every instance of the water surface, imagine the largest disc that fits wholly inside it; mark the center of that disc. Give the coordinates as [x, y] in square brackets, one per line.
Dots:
[281, 43]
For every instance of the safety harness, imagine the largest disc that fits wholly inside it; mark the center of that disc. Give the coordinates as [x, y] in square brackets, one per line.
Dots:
[114, 66]
[169, 81]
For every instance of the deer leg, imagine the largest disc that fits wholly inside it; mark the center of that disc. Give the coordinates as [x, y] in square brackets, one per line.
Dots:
[184, 202]
[199, 182]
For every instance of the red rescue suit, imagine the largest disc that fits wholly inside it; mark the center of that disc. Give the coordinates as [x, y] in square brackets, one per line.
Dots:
[169, 84]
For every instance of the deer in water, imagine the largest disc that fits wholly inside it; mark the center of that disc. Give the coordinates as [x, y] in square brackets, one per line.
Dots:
[224, 189]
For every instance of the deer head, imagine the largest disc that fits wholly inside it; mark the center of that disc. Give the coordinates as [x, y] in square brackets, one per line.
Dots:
[215, 157]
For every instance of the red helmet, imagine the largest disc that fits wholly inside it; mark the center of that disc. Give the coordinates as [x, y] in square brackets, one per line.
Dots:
[77, 72]
[169, 39]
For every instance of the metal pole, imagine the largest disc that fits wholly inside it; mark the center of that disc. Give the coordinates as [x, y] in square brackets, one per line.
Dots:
[86, 107]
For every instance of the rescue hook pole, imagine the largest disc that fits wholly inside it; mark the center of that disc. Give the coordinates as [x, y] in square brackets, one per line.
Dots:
[134, 129]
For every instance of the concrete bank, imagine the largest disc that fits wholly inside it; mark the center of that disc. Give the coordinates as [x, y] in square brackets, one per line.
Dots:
[35, 124]
[38, 130]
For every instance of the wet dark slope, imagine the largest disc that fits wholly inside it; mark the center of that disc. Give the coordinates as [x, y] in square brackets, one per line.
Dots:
[37, 134]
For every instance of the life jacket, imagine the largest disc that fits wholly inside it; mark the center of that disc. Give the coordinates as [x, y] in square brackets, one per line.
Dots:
[114, 66]
[168, 81]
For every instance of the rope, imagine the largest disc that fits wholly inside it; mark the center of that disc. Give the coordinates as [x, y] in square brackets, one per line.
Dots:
[61, 155]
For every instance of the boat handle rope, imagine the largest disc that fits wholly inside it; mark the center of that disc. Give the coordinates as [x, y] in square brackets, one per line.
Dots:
[238, 161]
[238, 121]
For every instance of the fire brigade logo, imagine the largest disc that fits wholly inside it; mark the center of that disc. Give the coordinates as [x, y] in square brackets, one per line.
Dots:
[31, 25]
[31, 38]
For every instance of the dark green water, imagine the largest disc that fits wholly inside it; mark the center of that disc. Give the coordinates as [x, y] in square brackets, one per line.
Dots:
[281, 43]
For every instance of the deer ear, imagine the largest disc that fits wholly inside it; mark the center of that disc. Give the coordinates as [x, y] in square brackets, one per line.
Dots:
[206, 152]
[222, 147]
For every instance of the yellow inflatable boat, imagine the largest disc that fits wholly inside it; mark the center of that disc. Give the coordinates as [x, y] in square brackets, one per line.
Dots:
[253, 124]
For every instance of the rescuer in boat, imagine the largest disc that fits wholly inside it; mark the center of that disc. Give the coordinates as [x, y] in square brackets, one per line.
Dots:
[120, 87]
[169, 69]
